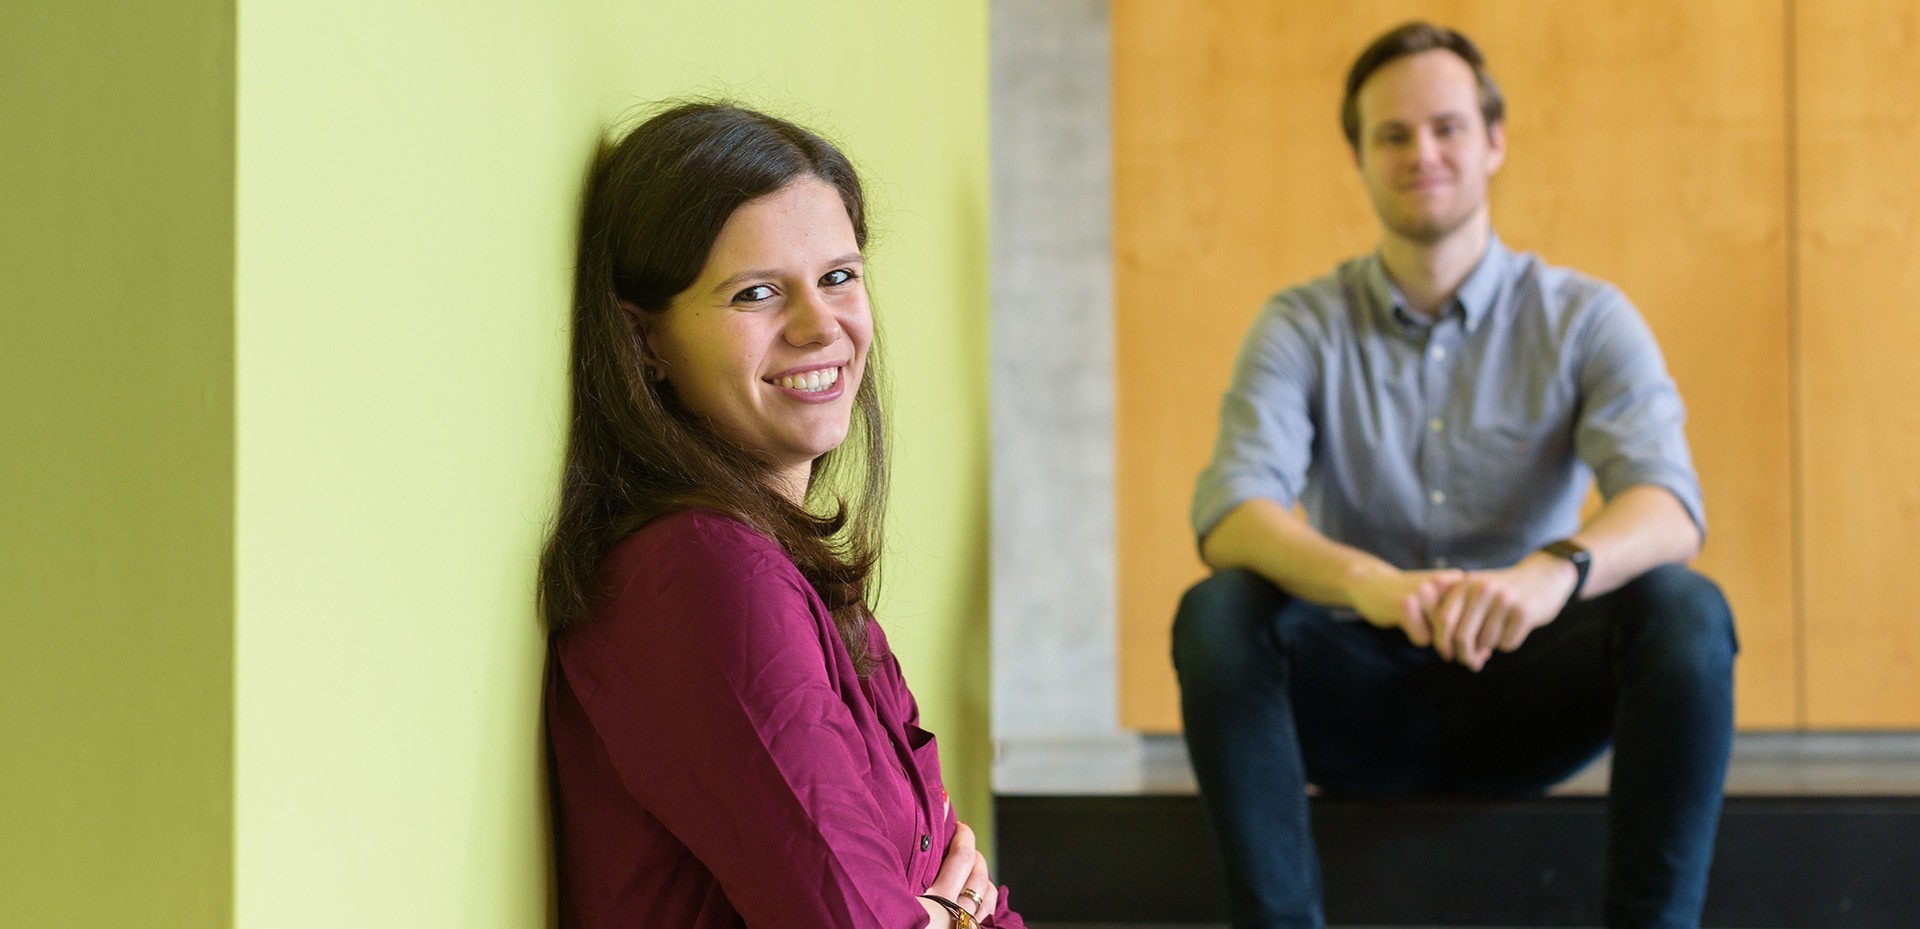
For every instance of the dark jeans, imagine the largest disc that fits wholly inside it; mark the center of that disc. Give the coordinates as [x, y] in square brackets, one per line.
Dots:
[1276, 692]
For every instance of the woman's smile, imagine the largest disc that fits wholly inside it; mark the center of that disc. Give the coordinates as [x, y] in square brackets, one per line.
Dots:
[811, 385]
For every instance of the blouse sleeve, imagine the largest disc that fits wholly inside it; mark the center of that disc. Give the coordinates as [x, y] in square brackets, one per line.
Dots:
[709, 684]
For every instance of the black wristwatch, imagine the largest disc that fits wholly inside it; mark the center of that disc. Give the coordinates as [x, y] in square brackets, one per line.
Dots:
[1582, 561]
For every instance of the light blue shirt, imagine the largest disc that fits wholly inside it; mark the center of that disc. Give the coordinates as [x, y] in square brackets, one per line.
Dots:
[1467, 441]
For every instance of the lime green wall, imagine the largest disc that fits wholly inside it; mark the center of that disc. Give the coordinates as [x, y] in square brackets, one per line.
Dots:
[116, 442]
[406, 183]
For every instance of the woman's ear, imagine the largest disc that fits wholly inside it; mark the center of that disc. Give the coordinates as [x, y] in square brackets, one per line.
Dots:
[637, 321]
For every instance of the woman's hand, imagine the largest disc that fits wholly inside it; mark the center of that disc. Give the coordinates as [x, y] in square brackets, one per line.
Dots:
[963, 869]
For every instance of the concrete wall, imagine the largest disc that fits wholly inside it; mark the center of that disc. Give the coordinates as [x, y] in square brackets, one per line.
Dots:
[1054, 594]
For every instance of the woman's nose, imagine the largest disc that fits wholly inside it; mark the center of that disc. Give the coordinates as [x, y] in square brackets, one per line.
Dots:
[811, 320]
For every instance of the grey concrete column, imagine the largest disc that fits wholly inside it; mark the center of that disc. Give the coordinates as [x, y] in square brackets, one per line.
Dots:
[1053, 602]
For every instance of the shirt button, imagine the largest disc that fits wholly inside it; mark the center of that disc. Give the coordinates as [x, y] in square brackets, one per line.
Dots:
[1438, 497]
[1438, 353]
[1435, 425]
[926, 842]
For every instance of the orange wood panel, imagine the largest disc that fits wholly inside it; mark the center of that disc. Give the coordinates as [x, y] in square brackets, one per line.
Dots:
[1647, 147]
[1858, 131]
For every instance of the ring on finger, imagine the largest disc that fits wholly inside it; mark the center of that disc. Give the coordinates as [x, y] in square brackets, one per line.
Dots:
[974, 895]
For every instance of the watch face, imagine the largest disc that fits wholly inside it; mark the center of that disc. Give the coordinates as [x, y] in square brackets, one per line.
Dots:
[1571, 551]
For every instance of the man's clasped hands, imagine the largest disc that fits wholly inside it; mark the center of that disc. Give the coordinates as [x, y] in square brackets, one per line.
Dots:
[1466, 615]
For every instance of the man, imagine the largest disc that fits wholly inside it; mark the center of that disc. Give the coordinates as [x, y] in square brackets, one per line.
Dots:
[1441, 621]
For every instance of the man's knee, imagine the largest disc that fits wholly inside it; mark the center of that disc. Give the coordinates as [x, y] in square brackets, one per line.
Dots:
[1679, 619]
[1223, 622]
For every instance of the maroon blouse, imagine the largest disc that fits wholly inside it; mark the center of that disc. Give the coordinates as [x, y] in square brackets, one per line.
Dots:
[718, 763]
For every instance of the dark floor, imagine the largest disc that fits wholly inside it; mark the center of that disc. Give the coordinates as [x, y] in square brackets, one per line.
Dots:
[1821, 831]
[1224, 926]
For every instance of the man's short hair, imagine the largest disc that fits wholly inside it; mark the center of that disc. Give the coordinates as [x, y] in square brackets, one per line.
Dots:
[1412, 39]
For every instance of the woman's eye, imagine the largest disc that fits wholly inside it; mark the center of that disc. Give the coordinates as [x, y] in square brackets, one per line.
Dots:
[837, 276]
[754, 294]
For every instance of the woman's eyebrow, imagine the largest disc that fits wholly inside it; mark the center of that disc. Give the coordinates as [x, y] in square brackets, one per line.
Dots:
[742, 278]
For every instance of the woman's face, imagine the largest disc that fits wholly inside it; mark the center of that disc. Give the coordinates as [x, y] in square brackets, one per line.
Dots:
[771, 340]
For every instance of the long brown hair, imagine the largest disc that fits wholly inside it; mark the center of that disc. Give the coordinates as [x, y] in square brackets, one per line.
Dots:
[655, 201]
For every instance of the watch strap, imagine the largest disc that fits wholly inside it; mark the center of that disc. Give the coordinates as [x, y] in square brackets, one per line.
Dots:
[1579, 557]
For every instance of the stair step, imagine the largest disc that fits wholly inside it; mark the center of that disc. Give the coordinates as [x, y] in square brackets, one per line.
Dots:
[1783, 862]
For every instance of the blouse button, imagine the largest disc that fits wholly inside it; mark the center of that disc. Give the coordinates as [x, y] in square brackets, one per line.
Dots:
[926, 842]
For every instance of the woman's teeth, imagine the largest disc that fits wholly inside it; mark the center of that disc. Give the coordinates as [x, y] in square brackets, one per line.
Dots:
[812, 381]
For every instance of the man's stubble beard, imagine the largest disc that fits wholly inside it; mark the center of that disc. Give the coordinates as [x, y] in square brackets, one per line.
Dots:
[1426, 230]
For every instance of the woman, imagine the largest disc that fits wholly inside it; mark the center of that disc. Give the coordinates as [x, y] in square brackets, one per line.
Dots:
[732, 739]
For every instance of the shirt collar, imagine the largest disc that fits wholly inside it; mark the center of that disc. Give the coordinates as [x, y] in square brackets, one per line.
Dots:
[1475, 298]
[1482, 287]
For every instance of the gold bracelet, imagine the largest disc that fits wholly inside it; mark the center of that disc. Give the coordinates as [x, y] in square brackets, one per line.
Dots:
[961, 918]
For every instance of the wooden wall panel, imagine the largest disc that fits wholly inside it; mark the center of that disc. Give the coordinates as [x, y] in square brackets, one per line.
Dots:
[1647, 148]
[1858, 73]
[1229, 179]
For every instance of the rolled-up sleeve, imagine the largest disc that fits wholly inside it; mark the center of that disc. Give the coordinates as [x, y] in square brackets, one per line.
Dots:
[1266, 424]
[1632, 422]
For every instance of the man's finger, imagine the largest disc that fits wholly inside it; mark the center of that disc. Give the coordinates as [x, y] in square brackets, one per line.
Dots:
[1516, 633]
[1444, 617]
[1414, 620]
[1485, 600]
[1420, 607]
[1472, 607]
[1494, 630]
[1468, 632]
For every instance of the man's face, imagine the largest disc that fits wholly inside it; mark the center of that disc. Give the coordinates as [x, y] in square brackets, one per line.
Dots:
[1425, 152]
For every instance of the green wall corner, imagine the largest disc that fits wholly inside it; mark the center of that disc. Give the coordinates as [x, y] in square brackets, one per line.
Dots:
[116, 465]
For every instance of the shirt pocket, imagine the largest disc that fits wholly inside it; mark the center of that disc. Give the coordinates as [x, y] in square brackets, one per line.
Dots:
[1528, 440]
[926, 756]
[1507, 466]
[1521, 426]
